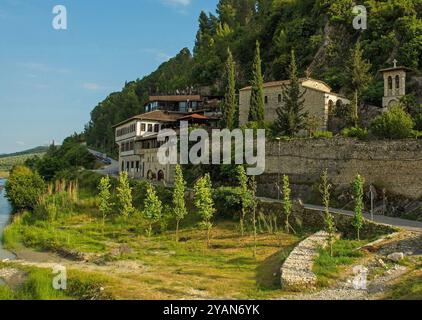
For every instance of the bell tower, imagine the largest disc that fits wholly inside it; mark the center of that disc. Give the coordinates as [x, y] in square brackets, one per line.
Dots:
[394, 84]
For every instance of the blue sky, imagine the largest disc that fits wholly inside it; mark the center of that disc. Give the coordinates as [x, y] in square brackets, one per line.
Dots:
[50, 79]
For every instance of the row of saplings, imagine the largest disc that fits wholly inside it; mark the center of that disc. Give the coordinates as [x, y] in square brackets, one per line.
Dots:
[204, 203]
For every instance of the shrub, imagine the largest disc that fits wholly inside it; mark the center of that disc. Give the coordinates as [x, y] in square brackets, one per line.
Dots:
[228, 201]
[393, 124]
[355, 132]
[24, 188]
[322, 134]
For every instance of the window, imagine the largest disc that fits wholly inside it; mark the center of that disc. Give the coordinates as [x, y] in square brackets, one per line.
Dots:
[279, 98]
[266, 99]
[132, 164]
[137, 166]
[397, 82]
[156, 128]
[390, 83]
[143, 127]
[150, 128]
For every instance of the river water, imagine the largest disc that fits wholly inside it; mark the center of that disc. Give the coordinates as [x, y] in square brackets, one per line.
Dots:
[5, 214]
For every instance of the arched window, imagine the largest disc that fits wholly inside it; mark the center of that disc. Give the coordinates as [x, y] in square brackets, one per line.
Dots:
[397, 82]
[390, 83]
[279, 98]
[266, 99]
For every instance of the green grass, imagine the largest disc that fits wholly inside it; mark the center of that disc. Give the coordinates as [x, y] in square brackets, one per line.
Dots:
[38, 285]
[329, 268]
[408, 289]
[173, 270]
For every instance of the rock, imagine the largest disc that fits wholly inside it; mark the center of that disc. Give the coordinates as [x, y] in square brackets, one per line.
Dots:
[396, 256]
[382, 263]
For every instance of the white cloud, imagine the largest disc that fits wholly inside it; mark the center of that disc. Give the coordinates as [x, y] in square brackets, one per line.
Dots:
[42, 68]
[92, 86]
[159, 56]
[20, 143]
[183, 3]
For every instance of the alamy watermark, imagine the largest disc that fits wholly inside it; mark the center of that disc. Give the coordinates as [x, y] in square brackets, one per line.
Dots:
[360, 22]
[215, 150]
[361, 278]
[60, 18]
[60, 278]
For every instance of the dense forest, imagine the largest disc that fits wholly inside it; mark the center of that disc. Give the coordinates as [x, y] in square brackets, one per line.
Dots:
[319, 31]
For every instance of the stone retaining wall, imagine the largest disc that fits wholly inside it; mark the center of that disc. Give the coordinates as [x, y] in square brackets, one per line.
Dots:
[296, 272]
[395, 165]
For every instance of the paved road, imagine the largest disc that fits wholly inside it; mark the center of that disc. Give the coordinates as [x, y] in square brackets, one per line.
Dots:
[111, 169]
[396, 222]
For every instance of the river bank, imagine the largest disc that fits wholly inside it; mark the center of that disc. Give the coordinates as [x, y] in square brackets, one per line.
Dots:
[5, 215]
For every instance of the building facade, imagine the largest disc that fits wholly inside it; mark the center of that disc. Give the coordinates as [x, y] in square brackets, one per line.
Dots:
[319, 100]
[138, 144]
[394, 84]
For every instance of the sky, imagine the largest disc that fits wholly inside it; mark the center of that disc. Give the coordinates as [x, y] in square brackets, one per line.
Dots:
[50, 79]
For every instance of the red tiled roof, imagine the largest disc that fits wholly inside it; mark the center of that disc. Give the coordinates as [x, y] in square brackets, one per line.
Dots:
[194, 116]
[175, 98]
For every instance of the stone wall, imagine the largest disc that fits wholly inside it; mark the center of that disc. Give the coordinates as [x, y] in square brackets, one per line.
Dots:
[306, 221]
[394, 165]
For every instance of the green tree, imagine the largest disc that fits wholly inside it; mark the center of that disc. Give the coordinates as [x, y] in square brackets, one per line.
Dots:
[179, 205]
[230, 101]
[105, 205]
[245, 195]
[287, 202]
[330, 228]
[358, 219]
[153, 208]
[291, 115]
[256, 111]
[24, 188]
[359, 70]
[204, 203]
[393, 124]
[124, 196]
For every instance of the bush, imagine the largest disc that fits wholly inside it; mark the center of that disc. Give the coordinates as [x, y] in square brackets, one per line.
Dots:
[228, 201]
[355, 132]
[393, 124]
[24, 188]
[322, 134]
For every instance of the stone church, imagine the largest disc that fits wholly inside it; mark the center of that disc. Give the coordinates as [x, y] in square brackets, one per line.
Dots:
[394, 84]
[319, 100]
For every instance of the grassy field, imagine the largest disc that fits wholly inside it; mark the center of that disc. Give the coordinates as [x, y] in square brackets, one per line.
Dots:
[163, 268]
[329, 268]
[7, 163]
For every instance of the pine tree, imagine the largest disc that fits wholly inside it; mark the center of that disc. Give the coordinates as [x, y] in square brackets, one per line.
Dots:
[179, 205]
[152, 208]
[105, 205]
[230, 103]
[124, 196]
[287, 203]
[291, 115]
[256, 112]
[358, 219]
[359, 70]
[325, 188]
[204, 203]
